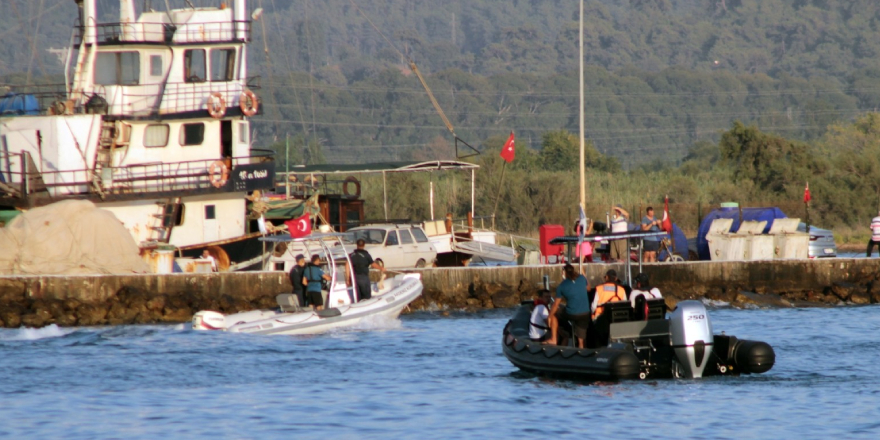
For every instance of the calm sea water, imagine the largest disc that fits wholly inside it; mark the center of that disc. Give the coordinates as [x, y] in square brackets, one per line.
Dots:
[425, 376]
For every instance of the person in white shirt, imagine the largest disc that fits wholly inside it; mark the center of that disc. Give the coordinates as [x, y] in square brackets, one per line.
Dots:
[207, 255]
[643, 288]
[875, 235]
[619, 223]
[538, 328]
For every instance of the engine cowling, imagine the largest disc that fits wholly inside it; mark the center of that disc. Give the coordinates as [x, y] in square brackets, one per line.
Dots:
[692, 338]
[208, 320]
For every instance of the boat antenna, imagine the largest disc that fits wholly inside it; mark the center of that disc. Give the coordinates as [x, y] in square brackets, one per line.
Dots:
[412, 66]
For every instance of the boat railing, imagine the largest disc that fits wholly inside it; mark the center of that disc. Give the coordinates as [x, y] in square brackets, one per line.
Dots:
[220, 31]
[513, 240]
[20, 178]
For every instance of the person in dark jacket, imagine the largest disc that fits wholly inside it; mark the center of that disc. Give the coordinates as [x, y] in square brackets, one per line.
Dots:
[312, 276]
[361, 262]
[296, 278]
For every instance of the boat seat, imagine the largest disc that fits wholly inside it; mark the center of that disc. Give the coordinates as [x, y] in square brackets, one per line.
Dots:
[289, 302]
[656, 309]
[618, 311]
[622, 331]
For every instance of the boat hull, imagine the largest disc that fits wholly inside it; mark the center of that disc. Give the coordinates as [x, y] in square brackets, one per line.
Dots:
[387, 305]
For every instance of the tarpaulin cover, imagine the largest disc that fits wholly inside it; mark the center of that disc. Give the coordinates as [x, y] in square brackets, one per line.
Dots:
[748, 214]
[13, 104]
[68, 237]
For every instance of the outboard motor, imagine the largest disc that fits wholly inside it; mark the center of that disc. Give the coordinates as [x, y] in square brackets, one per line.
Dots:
[208, 320]
[692, 338]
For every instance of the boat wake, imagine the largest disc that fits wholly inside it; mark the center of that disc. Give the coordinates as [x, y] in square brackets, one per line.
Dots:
[33, 334]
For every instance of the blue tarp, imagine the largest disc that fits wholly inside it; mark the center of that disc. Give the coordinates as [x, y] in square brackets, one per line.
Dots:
[748, 214]
[13, 104]
[680, 244]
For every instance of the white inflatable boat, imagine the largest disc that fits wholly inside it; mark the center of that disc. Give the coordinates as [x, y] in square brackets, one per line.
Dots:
[389, 298]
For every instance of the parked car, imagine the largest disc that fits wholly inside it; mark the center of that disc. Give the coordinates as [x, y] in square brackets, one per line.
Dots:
[821, 241]
[396, 245]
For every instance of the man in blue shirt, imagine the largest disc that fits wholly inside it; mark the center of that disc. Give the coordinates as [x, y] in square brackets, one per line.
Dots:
[313, 276]
[652, 244]
[573, 292]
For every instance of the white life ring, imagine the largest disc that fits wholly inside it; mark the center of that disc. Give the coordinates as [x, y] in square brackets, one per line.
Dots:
[218, 173]
[248, 103]
[216, 105]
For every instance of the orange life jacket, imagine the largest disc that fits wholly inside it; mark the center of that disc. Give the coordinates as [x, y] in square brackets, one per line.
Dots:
[607, 292]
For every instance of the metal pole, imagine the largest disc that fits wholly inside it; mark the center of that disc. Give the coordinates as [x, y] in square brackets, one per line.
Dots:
[287, 165]
[498, 197]
[581, 108]
[385, 195]
[473, 177]
[432, 200]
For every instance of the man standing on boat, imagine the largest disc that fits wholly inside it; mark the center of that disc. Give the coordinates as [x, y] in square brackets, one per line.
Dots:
[619, 248]
[361, 262]
[573, 292]
[296, 278]
[312, 275]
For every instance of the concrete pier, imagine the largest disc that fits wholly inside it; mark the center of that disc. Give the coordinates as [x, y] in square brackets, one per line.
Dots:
[36, 301]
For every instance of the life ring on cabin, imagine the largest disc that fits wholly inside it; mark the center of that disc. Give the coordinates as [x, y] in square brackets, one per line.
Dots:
[218, 173]
[357, 187]
[216, 105]
[248, 103]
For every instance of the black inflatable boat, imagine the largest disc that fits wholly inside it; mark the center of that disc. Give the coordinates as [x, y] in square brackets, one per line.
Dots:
[639, 346]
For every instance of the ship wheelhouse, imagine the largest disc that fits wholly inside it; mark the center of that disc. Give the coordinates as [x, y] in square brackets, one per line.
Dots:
[156, 112]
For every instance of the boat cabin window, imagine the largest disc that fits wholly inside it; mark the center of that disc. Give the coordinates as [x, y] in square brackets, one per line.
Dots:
[156, 65]
[192, 134]
[117, 68]
[419, 235]
[243, 132]
[392, 239]
[194, 66]
[370, 236]
[210, 212]
[222, 64]
[156, 135]
[405, 237]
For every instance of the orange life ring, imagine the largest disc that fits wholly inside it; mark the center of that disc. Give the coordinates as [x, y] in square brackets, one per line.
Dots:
[248, 103]
[216, 105]
[218, 173]
[357, 187]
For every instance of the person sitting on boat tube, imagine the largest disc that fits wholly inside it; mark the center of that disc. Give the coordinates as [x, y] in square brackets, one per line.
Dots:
[361, 262]
[312, 276]
[573, 292]
[539, 329]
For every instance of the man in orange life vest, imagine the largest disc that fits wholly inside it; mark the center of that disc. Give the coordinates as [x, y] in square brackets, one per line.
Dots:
[608, 291]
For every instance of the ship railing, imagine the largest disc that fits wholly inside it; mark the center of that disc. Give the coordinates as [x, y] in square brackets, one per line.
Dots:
[220, 31]
[19, 178]
[305, 185]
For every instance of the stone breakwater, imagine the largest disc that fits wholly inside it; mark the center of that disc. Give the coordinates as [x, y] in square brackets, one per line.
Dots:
[37, 301]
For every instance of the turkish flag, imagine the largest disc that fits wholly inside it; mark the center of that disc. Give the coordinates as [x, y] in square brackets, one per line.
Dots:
[807, 197]
[300, 226]
[666, 223]
[508, 152]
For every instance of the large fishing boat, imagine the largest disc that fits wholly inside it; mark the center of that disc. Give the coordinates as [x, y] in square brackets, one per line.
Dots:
[153, 126]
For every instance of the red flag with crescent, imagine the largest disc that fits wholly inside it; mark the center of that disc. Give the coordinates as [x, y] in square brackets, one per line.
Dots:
[666, 223]
[300, 226]
[807, 197]
[509, 151]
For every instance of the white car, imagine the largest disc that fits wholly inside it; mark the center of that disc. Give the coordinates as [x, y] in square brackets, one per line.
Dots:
[396, 245]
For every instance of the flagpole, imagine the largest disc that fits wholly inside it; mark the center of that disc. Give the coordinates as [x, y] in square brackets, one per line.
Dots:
[581, 107]
[498, 197]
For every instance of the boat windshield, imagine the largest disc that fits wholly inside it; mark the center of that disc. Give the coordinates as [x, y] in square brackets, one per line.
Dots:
[370, 236]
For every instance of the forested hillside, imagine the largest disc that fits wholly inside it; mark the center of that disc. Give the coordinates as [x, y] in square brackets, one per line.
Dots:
[707, 100]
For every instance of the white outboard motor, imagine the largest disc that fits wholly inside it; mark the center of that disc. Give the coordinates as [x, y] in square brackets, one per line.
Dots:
[692, 338]
[208, 320]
